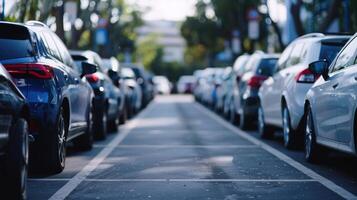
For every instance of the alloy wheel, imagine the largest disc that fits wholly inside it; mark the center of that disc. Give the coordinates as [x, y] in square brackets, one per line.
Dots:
[61, 141]
[308, 136]
[286, 126]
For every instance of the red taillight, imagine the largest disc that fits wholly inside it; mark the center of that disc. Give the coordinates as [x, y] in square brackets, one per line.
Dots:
[39, 71]
[306, 76]
[92, 78]
[256, 81]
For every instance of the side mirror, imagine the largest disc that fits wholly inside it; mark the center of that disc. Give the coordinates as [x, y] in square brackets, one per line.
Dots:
[319, 68]
[88, 68]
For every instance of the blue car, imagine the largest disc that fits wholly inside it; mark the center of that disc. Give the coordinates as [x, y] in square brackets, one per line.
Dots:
[59, 97]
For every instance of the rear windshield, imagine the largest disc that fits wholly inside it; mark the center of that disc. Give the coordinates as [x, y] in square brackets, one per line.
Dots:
[266, 66]
[329, 51]
[15, 44]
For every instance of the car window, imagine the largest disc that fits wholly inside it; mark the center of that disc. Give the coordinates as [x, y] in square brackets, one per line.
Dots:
[346, 57]
[51, 45]
[329, 51]
[284, 57]
[15, 45]
[266, 66]
[66, 57]
[295, 56]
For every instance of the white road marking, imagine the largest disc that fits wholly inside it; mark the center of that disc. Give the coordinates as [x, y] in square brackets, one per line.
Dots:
[200, 180]
[73, 183]
[315, 176]
[175, 180]
[182, 146]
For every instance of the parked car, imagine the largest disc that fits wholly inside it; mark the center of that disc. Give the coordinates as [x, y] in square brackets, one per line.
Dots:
[59, 100]
[111, 67]
[14, 136]
[186, 84]
[130, 80]
[145, 81]
[162, 85]
[258, 68]
[282, 96]
[330, 104]
[107, 97]
[238, 70]
[223, 89]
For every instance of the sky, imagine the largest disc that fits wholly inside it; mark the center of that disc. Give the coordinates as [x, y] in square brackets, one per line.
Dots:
[166, 9]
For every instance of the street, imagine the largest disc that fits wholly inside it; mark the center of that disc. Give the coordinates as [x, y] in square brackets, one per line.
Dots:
[178, 149]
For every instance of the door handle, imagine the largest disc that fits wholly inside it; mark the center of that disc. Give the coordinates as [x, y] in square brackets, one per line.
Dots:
[335, 86]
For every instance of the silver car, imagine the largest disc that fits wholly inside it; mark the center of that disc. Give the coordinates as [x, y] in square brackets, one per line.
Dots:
[282, 96]
[331, 104]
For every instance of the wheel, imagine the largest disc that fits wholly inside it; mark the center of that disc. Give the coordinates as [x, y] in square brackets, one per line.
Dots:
[113, 124]
[123, 116]
[312, 150]
[17, 161]
[52, 153]
[100, 126]
[290, 140]
[265, 131]
[233, 117]
[243, 121]
[85, 141]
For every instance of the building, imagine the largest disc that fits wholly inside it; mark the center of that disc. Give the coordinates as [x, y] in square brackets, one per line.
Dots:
[169, 37]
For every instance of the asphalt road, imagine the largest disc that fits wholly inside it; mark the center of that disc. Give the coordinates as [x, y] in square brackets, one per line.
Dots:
[177, 149]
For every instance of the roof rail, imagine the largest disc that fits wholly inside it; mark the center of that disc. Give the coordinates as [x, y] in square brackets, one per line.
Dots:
[310, 35]
[35, 23]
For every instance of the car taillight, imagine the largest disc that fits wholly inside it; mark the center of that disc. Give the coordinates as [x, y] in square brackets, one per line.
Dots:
[32, 70]
[306, 76]
[92, 78]
[256, 81]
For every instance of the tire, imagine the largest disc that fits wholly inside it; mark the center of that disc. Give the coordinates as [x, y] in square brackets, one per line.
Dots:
[244, 121]
[312, 149]
[233, 117]
[17, 161]
[123, 116]
[290, 139]
[54, 147]
[85, 141]
[101, 128]
[265, 131]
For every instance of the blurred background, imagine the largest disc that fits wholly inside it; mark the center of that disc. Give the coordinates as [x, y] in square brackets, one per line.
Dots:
[176, 37]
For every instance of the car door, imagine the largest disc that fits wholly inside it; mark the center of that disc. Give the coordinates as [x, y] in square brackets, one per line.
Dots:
[273, 85]
[78, 89]
[335, 104]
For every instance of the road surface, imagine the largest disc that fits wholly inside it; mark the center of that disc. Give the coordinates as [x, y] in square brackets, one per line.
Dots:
[177, 149]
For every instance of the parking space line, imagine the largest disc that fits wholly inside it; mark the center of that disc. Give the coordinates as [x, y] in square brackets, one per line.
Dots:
[172, 180]
[200, 180]
[315, 176]
[183, 146]
[48, 179]
[73, 183]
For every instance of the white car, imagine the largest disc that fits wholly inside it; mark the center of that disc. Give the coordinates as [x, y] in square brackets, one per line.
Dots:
[162, 85]
[331, 104]
[282, 95]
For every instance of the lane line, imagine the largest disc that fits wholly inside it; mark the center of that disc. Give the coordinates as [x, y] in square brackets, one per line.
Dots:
[307, 171]
[73, 183]
[182, 146]
[174, 180]
[200, 180]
